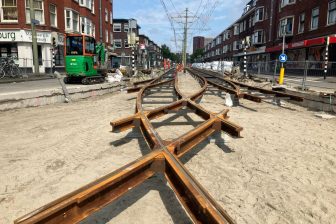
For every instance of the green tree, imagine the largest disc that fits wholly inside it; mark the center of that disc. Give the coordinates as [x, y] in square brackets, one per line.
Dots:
[166, 53]
[199, 53]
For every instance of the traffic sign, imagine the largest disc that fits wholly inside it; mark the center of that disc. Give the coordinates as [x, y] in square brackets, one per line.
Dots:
[283, 58]
[35, 22]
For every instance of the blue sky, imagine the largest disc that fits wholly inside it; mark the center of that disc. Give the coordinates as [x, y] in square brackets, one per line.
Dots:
[152, 17]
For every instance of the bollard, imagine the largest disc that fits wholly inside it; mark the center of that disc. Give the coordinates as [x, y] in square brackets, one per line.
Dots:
[282, 76]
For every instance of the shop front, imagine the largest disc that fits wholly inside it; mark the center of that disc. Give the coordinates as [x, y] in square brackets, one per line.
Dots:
[18, 45]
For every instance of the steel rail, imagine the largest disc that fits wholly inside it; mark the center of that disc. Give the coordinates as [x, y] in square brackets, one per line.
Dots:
[249, 87]
[201, 207]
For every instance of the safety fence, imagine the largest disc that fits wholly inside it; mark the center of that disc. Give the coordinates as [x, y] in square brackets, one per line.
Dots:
[301, 73]
[293, 68]
[307, 73]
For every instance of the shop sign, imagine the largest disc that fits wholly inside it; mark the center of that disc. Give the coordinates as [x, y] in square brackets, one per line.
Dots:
[24, 36]
[9, 36]
[42, 37]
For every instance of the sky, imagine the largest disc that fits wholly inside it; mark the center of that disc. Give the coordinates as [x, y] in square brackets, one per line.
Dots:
[152, 17]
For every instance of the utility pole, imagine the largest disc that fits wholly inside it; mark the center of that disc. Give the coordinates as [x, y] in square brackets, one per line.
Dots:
[34, 36]
[185, 40]
[185, 35]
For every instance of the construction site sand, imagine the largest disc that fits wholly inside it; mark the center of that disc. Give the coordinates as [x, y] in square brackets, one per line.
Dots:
[282, 170]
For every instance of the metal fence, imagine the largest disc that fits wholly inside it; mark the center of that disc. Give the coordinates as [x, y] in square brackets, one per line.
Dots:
[299, 70]
[293, 68]
[25, 66]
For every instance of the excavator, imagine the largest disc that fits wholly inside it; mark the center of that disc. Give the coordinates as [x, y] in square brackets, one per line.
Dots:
[85, 60]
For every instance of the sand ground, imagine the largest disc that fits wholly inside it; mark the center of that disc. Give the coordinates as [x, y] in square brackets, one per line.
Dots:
[283, 169]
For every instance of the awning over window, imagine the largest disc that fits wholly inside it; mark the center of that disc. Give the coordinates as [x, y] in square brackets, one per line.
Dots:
[332, 40]
[300, 44]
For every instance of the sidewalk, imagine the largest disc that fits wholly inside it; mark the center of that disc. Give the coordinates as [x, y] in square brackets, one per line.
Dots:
[44, 92]
[26, 78]
[318, 84]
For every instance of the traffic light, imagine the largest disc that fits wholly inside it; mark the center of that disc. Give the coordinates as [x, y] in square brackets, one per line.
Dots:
[53, 42]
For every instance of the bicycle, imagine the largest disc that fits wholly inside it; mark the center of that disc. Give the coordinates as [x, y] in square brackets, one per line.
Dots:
[9, 68]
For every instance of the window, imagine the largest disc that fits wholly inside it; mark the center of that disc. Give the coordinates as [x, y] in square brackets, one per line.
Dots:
[86, 3]
[86, 26]
[90, 45]
[332, 12]
[106, 36]
[38, 9]
[258, 37]
[117, 43]
[116, 27]
[301, 23]
[111, 37]
[228, 34]
[241, 27]
[259, 15]
[287, 2]
[315, 18]
[53, 15]
[236, 45]
[126, 28]
[286, 26]
[236, 29]
[93, 30]
[225, 49]
[218, 40]
[111, 18]
[9, 11]
[126, 45]
[59, 56]
[71, 21]
[106, 15]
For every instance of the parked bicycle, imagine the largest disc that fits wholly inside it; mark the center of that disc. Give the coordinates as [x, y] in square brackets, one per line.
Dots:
[8, 68]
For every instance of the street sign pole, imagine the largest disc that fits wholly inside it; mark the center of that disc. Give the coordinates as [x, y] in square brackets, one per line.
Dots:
[282, 70]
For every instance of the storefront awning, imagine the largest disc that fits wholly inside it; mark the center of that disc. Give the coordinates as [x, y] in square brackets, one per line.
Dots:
[314, 42]
[332, 40]
[301, 44]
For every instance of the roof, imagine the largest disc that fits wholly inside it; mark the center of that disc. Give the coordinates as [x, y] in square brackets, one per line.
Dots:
[122, 20]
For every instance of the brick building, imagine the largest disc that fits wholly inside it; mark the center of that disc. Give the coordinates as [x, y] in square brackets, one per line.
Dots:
[121, 45]
[147, 53]
[308, 26]
[56, 18]
[198, 43]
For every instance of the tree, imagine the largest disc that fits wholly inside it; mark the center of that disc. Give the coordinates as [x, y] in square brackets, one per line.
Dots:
[166, 53]
[199, 53]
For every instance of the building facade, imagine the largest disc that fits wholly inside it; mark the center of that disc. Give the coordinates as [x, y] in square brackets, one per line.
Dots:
[198, 43]
[308, 29]
[122, 48]
[56, 18]
[147, 52]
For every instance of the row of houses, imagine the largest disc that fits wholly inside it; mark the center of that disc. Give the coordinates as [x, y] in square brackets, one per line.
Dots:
[147, 52]
[309, 27]
[55, 19]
